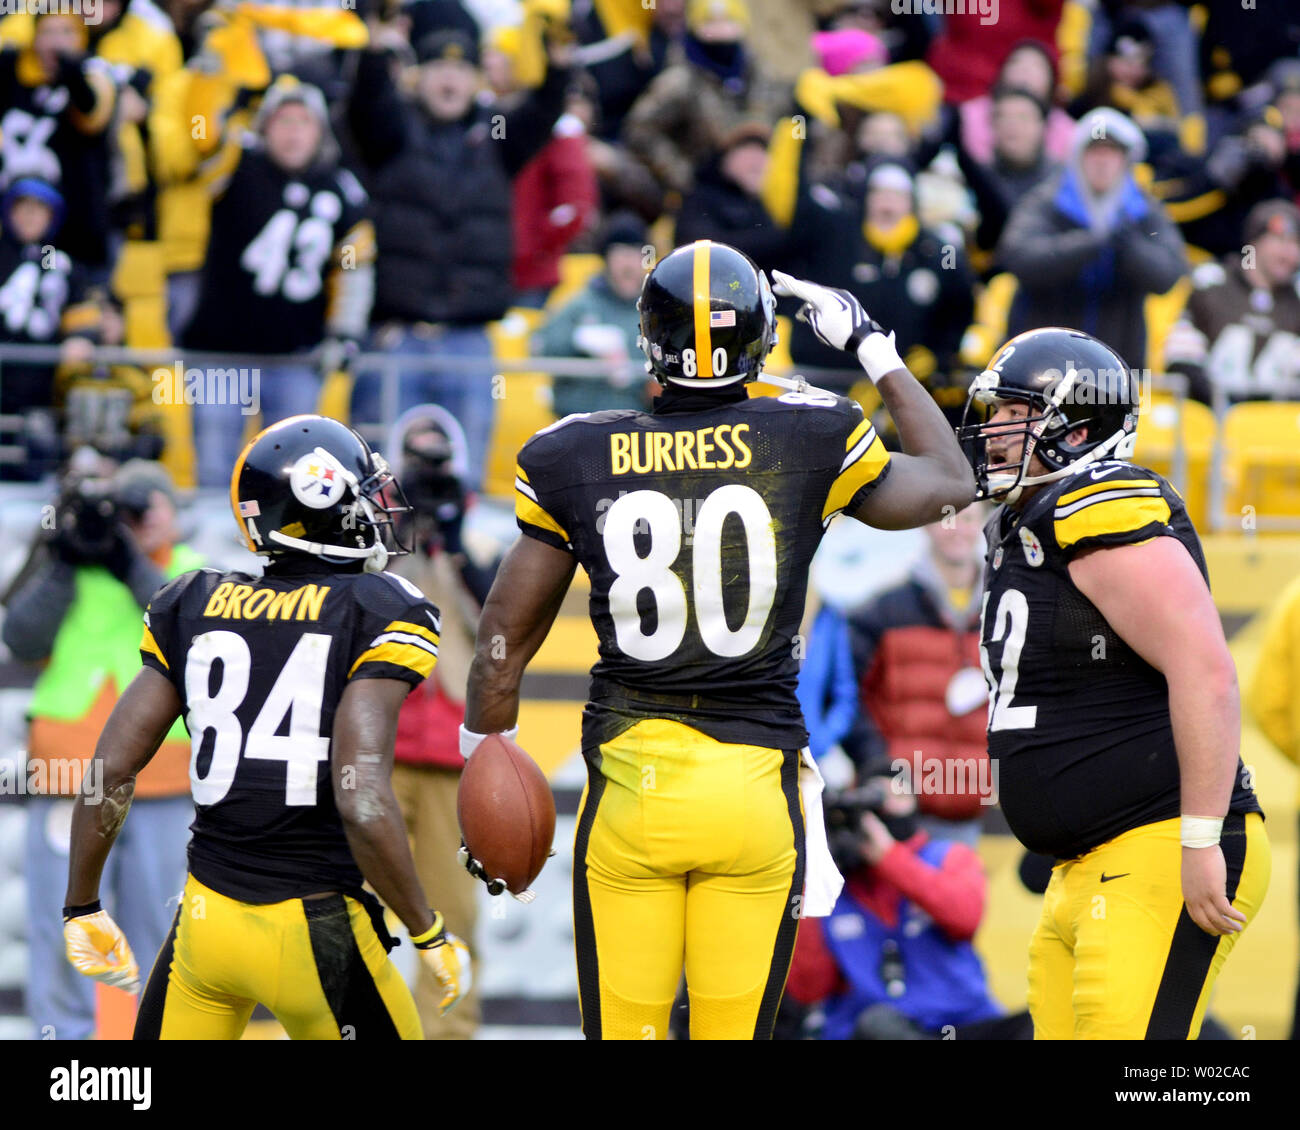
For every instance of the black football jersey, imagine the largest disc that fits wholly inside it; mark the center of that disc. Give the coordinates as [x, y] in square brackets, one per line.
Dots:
[1078, 721]
[276, 239]
[696, 529]
[260, 664]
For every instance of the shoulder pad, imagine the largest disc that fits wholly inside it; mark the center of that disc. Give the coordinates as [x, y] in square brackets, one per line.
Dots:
[386, 592]
[1108, 504]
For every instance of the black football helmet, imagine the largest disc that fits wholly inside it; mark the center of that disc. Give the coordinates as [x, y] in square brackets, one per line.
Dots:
[708, 317]
[1070, 380]
[310, 484]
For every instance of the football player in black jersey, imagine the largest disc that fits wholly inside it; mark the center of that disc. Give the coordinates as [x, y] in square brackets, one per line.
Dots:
[696, 524]
[1113, 712]
[290, 685]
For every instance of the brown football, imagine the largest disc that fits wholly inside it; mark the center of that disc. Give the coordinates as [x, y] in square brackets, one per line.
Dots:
[506, 812]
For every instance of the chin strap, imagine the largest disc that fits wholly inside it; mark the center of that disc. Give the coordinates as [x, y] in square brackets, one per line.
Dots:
[1094, 456]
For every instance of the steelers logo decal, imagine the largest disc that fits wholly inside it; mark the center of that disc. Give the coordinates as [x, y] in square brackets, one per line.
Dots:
[315, 483]
[1033, 547]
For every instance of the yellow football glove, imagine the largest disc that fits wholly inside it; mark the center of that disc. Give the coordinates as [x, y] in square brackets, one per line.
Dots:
[447, 958]
[99, 949]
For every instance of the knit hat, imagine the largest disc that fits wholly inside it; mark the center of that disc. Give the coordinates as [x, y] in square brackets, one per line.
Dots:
[702, 11]
[1272, 217]
[623, 228]
[841, 51]
[450, 44]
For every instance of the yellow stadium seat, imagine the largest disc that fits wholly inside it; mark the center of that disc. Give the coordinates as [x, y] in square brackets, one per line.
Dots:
[576, 270]
[523, 400]
[1158, 428]
[1262, 461]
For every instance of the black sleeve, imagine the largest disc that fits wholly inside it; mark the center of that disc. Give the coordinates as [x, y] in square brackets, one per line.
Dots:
[81, 95]
[528, 126]
[376, 112]
[35, 611]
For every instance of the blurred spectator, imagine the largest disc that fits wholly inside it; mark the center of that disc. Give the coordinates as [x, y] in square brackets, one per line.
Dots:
[1273, 695]
[1123, 77]
[57, 109]
[290, 262]
[1285, 79]
[1240, 330]
[1167, 28]
[1088, 246]
[624, 182]
[916, 662]
[828, 690]
[726, 204]
[42, 301]
[1029, 66]
[905, 276]
[76, 606]
[894, 961]
[624, 46]
[684, 114]
[428, 765]
[1019, 161]
[968, 52]
[440, 174]
[138, 42]
[602, 322]
[1209, 197]
[1238, 46]
[905, 36]
[555, 193]
[202, 107]
[184, 16]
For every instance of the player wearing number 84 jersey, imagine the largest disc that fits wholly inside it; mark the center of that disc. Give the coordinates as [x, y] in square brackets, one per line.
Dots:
[696, 524]
[289, 683]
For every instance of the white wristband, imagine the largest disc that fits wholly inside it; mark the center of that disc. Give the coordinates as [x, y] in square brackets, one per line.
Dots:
[879, 356]
[469, 740]
[1201, 831]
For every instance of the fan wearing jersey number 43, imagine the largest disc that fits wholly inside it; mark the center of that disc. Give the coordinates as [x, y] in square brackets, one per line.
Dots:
[696, 524]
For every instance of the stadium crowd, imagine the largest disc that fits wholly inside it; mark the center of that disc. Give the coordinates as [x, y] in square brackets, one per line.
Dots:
[318, 184]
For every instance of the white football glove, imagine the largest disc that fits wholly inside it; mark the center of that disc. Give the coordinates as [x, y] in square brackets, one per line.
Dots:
[97, 947]
[838, 319]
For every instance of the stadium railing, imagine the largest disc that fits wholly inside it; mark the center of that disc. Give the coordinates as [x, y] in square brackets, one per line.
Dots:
[1221, 458]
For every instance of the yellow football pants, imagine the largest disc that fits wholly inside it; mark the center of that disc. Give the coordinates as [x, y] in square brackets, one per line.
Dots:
[317, 964]
[1116, 956]
[689, 854]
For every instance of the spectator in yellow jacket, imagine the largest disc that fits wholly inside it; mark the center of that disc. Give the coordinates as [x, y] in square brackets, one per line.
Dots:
[1273, 693]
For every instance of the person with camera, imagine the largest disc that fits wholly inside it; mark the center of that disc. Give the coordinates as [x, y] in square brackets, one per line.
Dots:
[76, 606]
[434, 464]
[895, 961]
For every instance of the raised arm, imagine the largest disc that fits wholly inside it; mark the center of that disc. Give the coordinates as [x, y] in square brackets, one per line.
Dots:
[931, 474]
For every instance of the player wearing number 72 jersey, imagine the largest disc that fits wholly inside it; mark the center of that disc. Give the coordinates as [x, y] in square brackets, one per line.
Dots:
[290, 685]
[696, 524]
[1114, 713]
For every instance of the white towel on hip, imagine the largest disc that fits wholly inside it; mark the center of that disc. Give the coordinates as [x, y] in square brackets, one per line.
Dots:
[822, 881]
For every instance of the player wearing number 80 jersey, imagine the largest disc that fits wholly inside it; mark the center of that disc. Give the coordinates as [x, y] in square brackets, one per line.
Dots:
[696, 524]
[289, 684]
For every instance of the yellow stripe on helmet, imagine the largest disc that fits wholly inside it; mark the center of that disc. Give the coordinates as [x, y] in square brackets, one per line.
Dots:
[703, 337]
